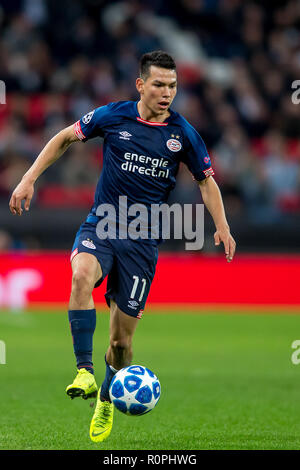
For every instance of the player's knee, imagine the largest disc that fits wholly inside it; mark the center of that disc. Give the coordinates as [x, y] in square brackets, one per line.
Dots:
[82, 280]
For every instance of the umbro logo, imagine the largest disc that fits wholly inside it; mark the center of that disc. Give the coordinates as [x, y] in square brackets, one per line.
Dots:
[133, 304]
[125, 135]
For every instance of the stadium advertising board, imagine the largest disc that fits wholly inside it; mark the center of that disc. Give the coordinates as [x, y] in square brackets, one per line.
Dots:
[31, 279]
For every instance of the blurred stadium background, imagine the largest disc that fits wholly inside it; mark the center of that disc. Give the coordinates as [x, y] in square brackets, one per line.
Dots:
[236, 64]
[237, 61]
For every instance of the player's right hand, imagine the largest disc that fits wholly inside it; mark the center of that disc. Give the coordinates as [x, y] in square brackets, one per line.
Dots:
[24, 191]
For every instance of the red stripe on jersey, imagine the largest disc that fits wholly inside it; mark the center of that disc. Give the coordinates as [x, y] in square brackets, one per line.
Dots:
[152, 123]
[78, 132]
[209, 172]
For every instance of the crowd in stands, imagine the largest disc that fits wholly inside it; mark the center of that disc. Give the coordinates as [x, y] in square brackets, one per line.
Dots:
[237, 61]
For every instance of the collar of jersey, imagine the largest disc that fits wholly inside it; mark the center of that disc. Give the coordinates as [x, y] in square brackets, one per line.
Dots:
[151, 123]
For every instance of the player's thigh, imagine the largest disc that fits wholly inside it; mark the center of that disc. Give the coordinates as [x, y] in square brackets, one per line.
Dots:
[100, 254]
[86, 268]
[122, 326]
[136, 269]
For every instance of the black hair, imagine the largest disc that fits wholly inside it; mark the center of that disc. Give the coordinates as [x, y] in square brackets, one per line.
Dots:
[157, 58]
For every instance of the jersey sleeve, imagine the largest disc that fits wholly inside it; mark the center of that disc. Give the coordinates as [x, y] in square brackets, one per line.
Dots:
[195, 154]
[93, 123]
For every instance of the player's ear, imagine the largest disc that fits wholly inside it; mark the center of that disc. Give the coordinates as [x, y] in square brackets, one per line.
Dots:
[139, 85]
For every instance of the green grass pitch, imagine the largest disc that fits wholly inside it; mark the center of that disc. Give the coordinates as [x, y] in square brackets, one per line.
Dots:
[227, 380]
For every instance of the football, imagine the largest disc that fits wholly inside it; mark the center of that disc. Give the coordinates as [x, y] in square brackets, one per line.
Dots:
[134, 390]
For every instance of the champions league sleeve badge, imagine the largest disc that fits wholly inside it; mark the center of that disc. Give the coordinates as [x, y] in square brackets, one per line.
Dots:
[87, 117]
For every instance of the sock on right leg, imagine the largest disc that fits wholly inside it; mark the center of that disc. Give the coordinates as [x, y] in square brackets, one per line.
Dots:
[110, 372]
[83, 324]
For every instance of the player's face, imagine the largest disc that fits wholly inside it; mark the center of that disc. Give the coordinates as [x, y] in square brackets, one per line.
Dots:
[158, 90]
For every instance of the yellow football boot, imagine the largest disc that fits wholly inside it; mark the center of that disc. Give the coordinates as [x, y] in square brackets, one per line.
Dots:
[102, 420]
[84, 385]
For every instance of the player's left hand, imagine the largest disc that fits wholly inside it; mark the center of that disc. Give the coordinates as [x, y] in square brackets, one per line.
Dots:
[223, 235]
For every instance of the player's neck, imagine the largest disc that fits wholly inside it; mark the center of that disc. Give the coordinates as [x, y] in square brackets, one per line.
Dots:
[148, 115]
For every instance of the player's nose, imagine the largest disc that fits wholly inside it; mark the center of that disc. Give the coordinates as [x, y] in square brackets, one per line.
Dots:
[166, 92]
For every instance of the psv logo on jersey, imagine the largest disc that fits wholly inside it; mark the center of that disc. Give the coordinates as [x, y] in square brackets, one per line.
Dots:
[88, 244]
[174, 145]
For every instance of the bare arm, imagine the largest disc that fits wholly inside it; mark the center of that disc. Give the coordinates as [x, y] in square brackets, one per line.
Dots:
[50, 153]
[212, 199]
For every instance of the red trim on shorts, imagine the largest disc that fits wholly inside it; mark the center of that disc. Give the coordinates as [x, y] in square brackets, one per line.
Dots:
[139, 316]
[74, 253]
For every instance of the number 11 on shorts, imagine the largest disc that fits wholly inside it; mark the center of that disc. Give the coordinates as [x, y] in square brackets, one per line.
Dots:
[136, 281]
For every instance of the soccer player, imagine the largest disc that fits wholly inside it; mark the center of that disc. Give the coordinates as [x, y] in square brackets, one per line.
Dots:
[144, 143]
